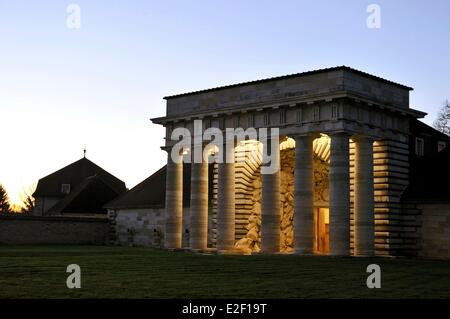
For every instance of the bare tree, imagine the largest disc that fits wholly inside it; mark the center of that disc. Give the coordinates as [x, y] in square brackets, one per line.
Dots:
[28, 199]
[442, 122]
[5, 208]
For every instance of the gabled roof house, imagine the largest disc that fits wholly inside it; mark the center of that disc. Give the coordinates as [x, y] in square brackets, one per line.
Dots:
[78, 189]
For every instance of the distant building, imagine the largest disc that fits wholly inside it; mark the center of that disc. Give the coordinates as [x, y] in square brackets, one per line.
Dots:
[81, 188]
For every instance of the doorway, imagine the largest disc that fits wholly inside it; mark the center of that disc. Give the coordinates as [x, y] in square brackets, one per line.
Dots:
[321, 231]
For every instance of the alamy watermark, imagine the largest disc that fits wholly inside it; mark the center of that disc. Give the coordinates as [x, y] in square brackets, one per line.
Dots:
[374, 19]
[73, 20]
[190, 146]
[374, 279]
[74, 279]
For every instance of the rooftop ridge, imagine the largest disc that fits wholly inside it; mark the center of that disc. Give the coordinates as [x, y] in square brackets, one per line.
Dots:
[336, 68]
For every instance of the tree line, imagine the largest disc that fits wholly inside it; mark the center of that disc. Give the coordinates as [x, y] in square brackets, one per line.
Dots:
[442, 122]
[7, 208]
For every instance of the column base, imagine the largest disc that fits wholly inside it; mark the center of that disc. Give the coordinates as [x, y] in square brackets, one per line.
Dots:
[302, 253]
[283, 253]
[364, 255]
[234, 252]
[339, 255]
[208, 251]
[177, 249]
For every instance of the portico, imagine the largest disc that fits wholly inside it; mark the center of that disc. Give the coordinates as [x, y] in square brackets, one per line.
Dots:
[357, 113]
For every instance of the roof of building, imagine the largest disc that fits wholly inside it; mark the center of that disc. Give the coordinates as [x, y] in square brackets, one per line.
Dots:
[75, 174]
[87, 197]
[429, 179]
[429, 175]
[336, 68]
[416, 125]
[151, 193]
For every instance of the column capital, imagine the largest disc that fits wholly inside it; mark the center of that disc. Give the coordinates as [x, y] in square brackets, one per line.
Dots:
[339, 133]
[363, 138]
[305, 135]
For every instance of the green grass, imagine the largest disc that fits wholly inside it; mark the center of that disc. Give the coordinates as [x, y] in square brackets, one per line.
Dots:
[122, 272]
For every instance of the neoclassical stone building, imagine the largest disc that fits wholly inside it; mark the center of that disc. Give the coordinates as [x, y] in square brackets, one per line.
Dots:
[344, 164]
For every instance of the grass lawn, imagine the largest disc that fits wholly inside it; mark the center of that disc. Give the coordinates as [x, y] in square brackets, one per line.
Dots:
[123, 272]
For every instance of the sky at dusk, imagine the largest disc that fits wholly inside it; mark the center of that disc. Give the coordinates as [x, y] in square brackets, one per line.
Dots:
[63, 88]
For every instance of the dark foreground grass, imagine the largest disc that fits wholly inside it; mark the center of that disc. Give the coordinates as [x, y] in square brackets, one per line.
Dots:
[114, 272]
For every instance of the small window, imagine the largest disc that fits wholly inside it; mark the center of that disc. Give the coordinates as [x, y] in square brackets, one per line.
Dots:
[419, 146]
[441, 146]
[65, 188]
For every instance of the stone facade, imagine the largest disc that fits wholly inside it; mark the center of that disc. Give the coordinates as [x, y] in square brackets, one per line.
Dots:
[435, 231]
[359, 174]
[144, 227]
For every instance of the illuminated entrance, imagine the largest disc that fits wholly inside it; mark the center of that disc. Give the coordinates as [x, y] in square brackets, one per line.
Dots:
[321, 230]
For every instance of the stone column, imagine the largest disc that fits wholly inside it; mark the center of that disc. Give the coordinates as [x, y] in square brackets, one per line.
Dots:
[270, 208]
[199, 202]
[364, 197]
[339, 195]
[174, 201]
[304, 195]
[225, 201]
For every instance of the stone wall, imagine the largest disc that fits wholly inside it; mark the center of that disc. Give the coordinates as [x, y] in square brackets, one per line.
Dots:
[252, 240]
[396, 225]
[435, 232]
[21, 230]
[144, 227]
[287, 162]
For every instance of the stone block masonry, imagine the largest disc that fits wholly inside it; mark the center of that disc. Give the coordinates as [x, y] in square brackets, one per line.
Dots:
[32, 230]
[435, 233]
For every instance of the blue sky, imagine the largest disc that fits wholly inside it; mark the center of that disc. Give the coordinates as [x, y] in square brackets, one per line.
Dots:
[99, 85]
